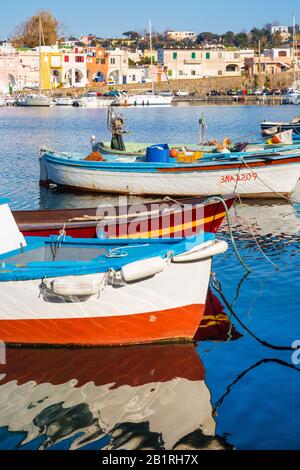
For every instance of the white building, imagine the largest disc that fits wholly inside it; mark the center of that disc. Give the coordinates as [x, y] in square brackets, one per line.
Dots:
[74, 69]
[181, 35]
[283, 31]
[278, 53]
[119, 70]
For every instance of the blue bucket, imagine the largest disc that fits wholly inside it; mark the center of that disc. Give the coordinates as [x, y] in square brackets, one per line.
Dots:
[159, 153]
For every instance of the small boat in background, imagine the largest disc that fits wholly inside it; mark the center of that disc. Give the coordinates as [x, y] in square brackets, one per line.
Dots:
[270, 128]
[167, 218]
[92, 99]
[145, 100]
[63, 101]
[38, 100]
[60, 290]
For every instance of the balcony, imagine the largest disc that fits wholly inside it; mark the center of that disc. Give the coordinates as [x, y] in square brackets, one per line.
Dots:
[193, 61]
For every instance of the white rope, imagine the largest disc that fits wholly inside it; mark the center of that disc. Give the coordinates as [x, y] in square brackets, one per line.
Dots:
[255, 239]
[267, 186]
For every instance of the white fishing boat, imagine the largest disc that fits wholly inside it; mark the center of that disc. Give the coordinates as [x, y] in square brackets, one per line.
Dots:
[92, 99]
[268, 173]
[37, 100]
[63, 101]
[146, 99]
[61, 290]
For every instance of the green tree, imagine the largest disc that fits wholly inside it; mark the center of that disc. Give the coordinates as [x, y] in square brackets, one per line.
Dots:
[228, 39]
[241, 40]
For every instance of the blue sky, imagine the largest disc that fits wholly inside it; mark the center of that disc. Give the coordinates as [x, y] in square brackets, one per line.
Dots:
[108, 18]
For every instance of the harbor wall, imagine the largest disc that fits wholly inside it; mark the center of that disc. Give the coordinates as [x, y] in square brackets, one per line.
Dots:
[199, 87]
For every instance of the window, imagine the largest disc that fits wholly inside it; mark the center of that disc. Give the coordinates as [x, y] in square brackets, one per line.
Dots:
[55, 61]
[133, 78]
[236, 55]
[100, 61]
[207, 55]
[180, 73]
[113, 61]
[193, 72]
[220, 55]
[124, 61]
[66, 58]
[88, 74]
[220, 72]
[193, 55]
[174, 55]
[79, 58]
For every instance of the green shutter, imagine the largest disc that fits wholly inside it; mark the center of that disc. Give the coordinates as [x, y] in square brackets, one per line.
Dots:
[170, 73]
[193, 55]
[174, 55]
[207, 55]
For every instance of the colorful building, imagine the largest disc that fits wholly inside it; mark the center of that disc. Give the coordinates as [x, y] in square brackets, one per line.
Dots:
[51, 70]
[96, 65]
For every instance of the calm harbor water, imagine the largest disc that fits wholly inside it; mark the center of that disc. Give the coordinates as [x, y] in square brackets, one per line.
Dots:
[226, 391]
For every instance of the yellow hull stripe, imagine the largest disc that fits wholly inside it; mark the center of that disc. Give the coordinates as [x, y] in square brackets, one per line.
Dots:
[170, 230]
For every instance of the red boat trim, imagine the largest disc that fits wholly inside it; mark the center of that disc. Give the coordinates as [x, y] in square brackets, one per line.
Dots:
[165, 325]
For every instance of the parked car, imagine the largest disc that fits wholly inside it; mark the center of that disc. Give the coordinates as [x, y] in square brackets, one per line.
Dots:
[113, 93]
[182, 93]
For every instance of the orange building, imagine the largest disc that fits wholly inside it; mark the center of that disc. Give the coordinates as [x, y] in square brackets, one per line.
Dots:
[96, 65]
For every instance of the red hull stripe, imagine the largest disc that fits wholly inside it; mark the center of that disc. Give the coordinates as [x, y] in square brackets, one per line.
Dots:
[149, 327]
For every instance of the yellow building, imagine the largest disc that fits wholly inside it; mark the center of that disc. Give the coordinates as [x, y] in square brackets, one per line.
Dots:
[51, 70]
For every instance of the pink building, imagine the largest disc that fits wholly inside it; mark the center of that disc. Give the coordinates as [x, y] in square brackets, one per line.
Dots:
[9, 72]
[18, 70]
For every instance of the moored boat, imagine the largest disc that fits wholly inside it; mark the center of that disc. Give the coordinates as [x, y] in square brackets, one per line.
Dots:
[63, 101]
[60, 290]
[166, 218]
[92, 99]
[267, 173]
[145, 100]
[270, 128]
[36, 100]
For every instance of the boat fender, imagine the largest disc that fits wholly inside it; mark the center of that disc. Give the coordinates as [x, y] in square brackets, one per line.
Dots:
[143, 269]
[214, 249]
[81, 286]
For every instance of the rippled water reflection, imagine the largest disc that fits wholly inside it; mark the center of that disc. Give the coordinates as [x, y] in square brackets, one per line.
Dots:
[219, 394]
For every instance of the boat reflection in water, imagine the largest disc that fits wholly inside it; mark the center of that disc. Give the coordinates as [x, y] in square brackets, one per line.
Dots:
[139, 397]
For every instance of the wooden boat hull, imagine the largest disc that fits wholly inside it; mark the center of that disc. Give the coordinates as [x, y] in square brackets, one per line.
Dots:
[268, 175]
[184, 217]
[168, 306]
